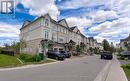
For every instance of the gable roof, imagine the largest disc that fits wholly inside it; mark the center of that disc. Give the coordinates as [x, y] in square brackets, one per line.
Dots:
[72, 28]
[23, 26]
[52, 20]
[26, 23]
[126, 39]
[63, 22]
[75, 27]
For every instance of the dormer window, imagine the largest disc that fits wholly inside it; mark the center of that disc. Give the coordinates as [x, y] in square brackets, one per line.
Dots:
[46, 22]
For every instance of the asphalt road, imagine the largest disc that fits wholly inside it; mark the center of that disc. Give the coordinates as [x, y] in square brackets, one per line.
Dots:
[80, 69]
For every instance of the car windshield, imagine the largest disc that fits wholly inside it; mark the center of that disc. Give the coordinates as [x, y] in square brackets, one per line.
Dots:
[126, 53]
[57, 52]
[106, 53]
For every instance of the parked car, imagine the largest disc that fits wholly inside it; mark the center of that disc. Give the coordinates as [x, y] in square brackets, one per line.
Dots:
[106, 55]
[66, 53]
[55, 55]
[125, 54]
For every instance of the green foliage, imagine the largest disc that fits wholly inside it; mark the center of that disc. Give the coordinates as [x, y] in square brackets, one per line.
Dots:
[38, 58]
[78, 48]
[106, 45]
[15, 46]
[119, 50]
[28, 58]
[91, 49]
[1, 49]
[121, 58]
[8, 61]
[96, 51]
[127, 70]
[23, 44]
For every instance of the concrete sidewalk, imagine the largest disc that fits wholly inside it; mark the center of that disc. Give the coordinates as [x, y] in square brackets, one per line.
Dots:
[112, 72]
[116, 73]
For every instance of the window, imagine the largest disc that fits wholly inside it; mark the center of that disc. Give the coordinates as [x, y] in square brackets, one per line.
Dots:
[57, 28]
[55, 49]
[46, 22]
[54, 37]
[60, 29]
[63, 30]
[46, 34]
[61, 40]
[60, 49]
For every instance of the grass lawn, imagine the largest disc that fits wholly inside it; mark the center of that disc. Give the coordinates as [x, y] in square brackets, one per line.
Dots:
[8, 61]
[47, 60]
[12, 61]
[126, 69]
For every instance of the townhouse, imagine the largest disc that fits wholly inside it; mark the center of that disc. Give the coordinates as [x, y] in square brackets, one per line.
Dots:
[125, 43]
[47, 34]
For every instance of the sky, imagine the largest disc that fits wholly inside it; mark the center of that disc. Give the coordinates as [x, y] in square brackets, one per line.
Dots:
[101, 19]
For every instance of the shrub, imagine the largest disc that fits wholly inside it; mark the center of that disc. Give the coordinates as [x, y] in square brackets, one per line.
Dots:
[28, 58]
[38, 58]
[121, 58]
[127, 66]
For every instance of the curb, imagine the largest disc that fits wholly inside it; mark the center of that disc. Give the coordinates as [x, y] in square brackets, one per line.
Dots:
[34, 65]
[116, 72]
[27, 66]
[104, 72]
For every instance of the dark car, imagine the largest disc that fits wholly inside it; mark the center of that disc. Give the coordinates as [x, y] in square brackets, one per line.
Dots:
[106, 55]
[55, 55]
[66, 53]
[125, 54]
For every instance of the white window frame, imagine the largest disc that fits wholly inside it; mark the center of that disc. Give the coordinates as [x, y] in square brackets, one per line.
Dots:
[46, 35]
[46, 22]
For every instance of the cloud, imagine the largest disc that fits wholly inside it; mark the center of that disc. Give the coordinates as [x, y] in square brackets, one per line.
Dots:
[74, 4]
[41, 7]
[101, 27]
[8, 33]
[101, 16]
[80, 22]
[112, 31]
[116, 11]
[122, 7]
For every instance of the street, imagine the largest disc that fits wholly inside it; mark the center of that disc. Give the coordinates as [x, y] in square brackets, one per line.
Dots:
[79, 69]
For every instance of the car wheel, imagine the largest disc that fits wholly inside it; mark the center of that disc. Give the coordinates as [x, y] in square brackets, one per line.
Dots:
[63, 58]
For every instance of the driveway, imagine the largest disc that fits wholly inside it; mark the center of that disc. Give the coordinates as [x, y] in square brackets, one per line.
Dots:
[79, 69]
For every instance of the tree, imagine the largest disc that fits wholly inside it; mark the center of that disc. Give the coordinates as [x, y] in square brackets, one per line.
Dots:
[106, 45]
[16, 47]
[112, 48]
[119, 50]
[23, 44]
[78, 49]
[7, 46]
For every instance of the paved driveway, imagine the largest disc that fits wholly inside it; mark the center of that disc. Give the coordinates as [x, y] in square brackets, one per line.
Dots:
[80, 69]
